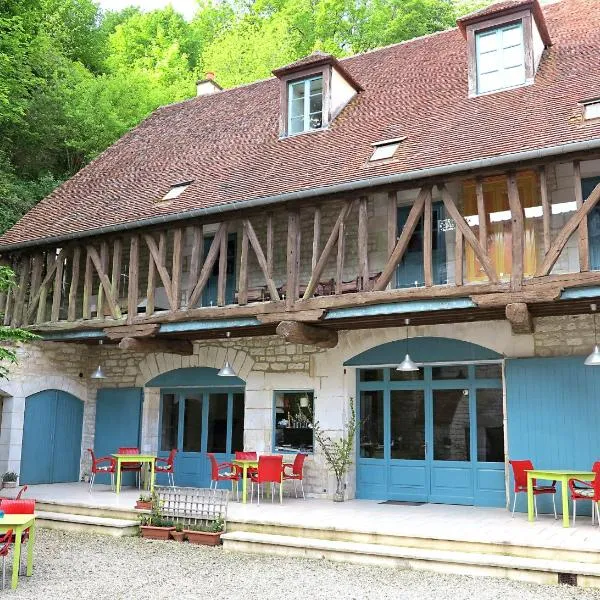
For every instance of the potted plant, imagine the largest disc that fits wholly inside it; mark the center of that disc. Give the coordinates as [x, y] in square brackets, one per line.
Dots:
[178, 535]
[9, 479]
[207, 535]
[144, 502]
[338, 452]
[154, 526]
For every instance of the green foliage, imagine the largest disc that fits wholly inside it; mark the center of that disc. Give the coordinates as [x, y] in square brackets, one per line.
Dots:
[74, 79]
[10, 476]
[216, 526]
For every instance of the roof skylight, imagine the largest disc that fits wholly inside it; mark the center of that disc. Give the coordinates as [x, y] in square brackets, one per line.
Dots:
[176, 190]
[385, 149]
[592, 110]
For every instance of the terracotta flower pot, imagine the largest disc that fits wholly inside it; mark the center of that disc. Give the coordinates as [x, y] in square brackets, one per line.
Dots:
[206, 538]
[178, 536]
[156, 533]
[142, 505]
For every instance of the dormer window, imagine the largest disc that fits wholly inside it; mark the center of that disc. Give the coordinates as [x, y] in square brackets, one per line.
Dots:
[305, 104]
[591, 110]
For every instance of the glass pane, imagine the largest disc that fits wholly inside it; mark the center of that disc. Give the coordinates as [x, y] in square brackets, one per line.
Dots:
[296, 90]
[406, 375]
[451, 425]
[293, 421]
[512, 36]
[297, 108]
[237, 425]
[408, 424]
[488, 371]
[490, 427]
[296, 125]
[371, 424]
[487, 41]
[192, 424]
[316, 120]
[217, 423]
[316, 86]
[450, 372]
[371, 375]
[315, 104]
[169, 422]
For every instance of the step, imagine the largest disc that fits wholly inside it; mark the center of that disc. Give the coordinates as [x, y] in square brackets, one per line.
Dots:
[80, 508]
[467, 563]
[90, 524]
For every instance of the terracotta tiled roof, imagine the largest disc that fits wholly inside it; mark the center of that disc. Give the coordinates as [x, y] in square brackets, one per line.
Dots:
[316, 58]
[228, 143]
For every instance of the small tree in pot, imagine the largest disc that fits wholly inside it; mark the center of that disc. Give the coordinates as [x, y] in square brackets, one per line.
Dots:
[338, 452]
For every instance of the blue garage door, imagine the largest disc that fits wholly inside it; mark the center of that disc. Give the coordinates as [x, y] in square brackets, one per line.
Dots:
[118, 424]
[51, 449]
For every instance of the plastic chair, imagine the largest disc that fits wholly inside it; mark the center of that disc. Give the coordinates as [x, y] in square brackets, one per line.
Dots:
[270, 470]
[19, 507]
[216, 476]
[168, 467]
[5, 542]
[590, 491]
[296, 474]
[131, 467]
[519, 468]
[21, 492]
[100, 468]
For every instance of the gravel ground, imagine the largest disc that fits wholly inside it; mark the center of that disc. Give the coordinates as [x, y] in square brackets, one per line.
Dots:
[81, 567]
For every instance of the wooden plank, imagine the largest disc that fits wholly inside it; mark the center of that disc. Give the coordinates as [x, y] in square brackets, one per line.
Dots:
[292, 258]
[428, 241]
[176, 268]
[262, 262]
[121, 331]
[316, 245]
[243, 279]
[546, 208]
[152, 271]
[196, 258]
[584, 254]
[517, 231]
[37, 267]
[296, 332]
[132, 288]
[222, 277]
[528, 296]
[309, 316]
[39, 300]
[333, 238]
[87, 287]
[339, 263]
[392, 224]
[100, 293]
[458, 257]
[481, 213]
[269, 246]
[183, 347]
[75, 260]
[19, 312]
[402, 244]
[467, 233]
[99, 265]
[208, 264]
[117, 258]
[57, 290]
[363, 242]
[565, 233]
[159, 263]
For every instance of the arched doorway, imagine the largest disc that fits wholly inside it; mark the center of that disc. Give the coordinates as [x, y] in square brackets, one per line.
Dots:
[432, 435]
[200, 412]
[52, 427]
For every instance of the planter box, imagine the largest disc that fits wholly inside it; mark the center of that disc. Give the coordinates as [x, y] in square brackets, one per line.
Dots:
[141, 505]
[178, 536]
[206, 538]
[9, 484]
[156, 533]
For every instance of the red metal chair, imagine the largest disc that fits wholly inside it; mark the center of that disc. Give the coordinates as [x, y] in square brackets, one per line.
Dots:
[21, 492]
[216, 475]
[270, 470]
[589, 491]
[19, 507]
[296, 474]
[5, 542]
[131, 467]
[168, 467]
[520, 468]
[110, 468]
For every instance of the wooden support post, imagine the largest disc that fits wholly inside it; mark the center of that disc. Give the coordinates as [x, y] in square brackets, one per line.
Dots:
[428, 241]
[584, 254]
[270, 246]
[316, 245]
[132, 289]
[458, 257]
[58, 288]
[19, 313]
[243, 280]
[392, 229]
[339, 264]
[222, 278]
[176, 268]
[116, 268]
[519, 317]
[159, 263]
[36, 279]
[75, 260]
[115, 311]
[134, 344]
[481, 213]
[546, 208]
[363, 243]
[297, 332]
[104, 269]
[207, 267]
[40, 298]
[262, 262]
[517, 232]
[292, 258]
[196, 258]
[87, 287]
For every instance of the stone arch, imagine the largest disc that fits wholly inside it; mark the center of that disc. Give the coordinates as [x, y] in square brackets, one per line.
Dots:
[34, 384]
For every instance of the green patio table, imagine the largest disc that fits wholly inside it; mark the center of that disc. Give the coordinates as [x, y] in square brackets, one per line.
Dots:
[555, 475]
[134, 458]
[19, 523]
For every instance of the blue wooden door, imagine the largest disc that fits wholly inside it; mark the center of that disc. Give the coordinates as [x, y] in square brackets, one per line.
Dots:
[588, 186]
[52, 427]
[118, 423]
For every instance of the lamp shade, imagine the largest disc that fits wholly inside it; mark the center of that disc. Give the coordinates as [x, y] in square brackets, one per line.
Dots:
[226, 370]
[304, 401]
[593, 360]
[407, 365]
[98, 373]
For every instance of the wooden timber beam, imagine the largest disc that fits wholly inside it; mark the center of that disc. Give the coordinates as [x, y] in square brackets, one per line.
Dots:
[546, 207]
[260, 257]
[519, 317]
[176, 268]
[99, 264]
[51, 266]
[76, 259]
[182, 347]
[243, 277]
[222, 276]
[160, 267]
[19, 314]
[132, 331]
[584, 254]
[306, 316]
[134, 270]
[293, 259]
[428, 241]
[296, 332]
[363, 242]
[208, 265]
[517, 231]
[565, 233]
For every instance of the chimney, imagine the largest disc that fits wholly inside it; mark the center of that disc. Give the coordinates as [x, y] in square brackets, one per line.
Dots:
[208, 85]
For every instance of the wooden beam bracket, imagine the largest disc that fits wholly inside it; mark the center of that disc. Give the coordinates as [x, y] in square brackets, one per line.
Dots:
[296, 332]
[519, 317]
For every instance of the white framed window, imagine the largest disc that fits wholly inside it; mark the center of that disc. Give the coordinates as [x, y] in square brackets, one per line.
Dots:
[592, 110]
[500, 57]
[176, 190]
[305, 105]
